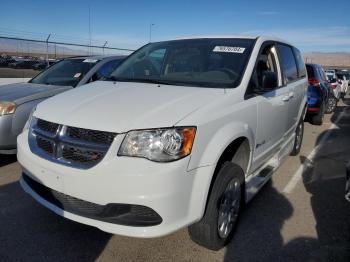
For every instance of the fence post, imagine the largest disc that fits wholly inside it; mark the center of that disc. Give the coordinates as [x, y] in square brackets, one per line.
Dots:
[103, 47]
[47, 50]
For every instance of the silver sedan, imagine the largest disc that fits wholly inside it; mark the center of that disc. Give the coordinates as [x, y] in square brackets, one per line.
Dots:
[18, 100]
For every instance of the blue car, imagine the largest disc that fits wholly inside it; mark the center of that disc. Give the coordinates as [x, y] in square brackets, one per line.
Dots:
[319, 96]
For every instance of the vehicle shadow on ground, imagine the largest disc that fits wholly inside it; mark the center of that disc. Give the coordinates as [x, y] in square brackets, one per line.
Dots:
[259, 237]
[29, 232]
[7, 159]
[324, 179]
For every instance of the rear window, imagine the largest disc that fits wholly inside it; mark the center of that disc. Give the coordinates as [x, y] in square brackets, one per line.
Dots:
[290, 72]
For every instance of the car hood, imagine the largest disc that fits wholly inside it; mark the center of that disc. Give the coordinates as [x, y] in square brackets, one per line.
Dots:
[24, 92]
[123, 106]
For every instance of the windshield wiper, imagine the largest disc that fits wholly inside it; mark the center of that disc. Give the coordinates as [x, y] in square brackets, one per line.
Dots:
[153, 81]
[139, 80]
[109, 78]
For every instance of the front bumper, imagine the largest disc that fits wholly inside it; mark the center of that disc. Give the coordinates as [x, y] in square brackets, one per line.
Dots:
[177, 195]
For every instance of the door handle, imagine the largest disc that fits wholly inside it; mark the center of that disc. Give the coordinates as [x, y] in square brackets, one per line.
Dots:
[291, 94]
[285, 98]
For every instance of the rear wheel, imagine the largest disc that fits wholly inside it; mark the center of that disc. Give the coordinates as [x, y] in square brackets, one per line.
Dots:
[331, 105]
[216, 227]
[318, 118]
[298, 140]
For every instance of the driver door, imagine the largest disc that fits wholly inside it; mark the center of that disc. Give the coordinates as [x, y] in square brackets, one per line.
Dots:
[272, 108]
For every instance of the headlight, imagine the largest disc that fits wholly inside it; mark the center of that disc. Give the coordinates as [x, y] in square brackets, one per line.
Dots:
[30, 118]
[161, 145]
[7, 108]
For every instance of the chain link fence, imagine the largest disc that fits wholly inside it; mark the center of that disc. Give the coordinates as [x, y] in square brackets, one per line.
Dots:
[19, 46]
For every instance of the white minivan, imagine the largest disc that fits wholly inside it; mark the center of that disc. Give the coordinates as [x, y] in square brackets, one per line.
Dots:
[183, 133]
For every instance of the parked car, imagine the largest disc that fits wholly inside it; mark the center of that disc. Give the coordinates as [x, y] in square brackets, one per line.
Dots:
[185, 133]
[319, 94]
[5, 61]
[41, 65]
[335, 83]
[344, 77]
[17, 100]
[24, 64]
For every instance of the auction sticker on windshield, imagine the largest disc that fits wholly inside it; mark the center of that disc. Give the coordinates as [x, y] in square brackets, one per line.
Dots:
[89, 60]
[229, 49]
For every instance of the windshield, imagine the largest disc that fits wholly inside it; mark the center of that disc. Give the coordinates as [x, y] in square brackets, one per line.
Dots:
[67, 72]
[195, 62]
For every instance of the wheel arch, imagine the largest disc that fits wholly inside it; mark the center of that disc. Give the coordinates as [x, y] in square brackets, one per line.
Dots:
[230, 154]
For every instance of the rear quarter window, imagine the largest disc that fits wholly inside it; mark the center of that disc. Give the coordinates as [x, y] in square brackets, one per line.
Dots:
[289, 67]
[300, 63]
[310, 71]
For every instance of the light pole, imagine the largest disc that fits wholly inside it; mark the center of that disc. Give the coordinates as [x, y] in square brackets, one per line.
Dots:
[150, 32]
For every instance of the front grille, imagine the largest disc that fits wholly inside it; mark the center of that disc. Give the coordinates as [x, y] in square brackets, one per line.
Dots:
[44, 144]
[91, 135]
[47, 126]
[72, 146]
[122, 214]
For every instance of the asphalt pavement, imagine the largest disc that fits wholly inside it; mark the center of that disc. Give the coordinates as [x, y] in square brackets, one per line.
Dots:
[300, 215]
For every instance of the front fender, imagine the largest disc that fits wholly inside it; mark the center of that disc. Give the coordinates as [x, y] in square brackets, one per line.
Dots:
[207, 154]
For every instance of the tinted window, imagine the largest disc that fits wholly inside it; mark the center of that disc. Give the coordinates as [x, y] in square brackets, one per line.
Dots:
[300, 63]
[310, 71]
[193, 62]
[107, 68]
[290, 72]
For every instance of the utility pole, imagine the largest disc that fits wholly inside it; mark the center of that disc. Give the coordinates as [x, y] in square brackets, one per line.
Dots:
[47, 50]
[150, 32]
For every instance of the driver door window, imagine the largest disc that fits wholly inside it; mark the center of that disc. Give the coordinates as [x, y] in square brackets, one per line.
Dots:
[267, 61]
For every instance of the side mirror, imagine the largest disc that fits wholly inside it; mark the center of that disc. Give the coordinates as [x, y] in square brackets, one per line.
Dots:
[95, 77]
[269, 80]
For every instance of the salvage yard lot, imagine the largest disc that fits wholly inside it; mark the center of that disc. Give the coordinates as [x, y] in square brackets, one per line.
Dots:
[17, 73]
[300, 215]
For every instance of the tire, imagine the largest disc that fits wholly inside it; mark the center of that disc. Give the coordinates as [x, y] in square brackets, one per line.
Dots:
[228, 188]
[298, 140]
[331, 104]
[318, 118]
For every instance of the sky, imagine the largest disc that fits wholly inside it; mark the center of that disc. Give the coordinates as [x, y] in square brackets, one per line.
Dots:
[308, 24]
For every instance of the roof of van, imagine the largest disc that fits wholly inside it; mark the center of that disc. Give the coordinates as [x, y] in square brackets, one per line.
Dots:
[262, 37]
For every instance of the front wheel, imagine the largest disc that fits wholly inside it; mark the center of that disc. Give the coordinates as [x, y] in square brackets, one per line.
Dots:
[216, 228]
[298, 140]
